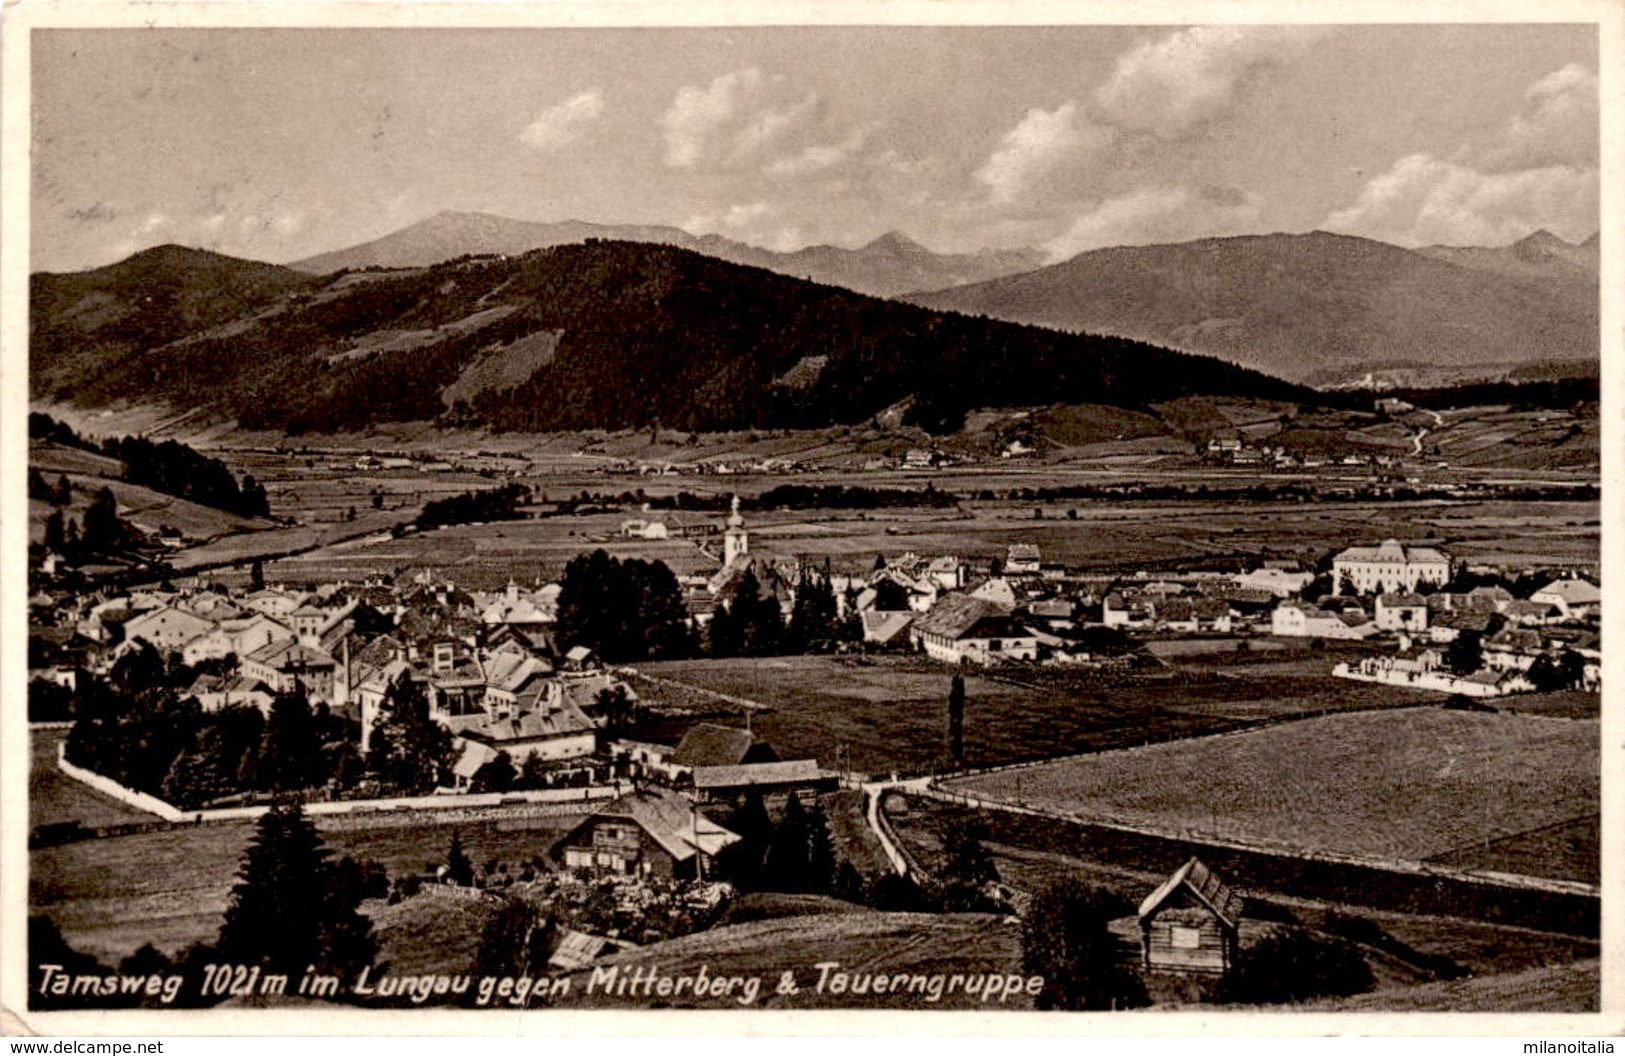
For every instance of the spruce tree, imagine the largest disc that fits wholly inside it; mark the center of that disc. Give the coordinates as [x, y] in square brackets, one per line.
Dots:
[286, 914]
[956, 721]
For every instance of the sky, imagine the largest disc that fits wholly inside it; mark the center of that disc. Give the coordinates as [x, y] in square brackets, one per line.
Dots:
[277, 144]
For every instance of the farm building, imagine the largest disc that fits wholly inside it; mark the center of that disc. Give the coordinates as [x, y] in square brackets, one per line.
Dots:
[708, 745]
[1302, 620]
[964, 628]
[1190, 923]
[726, 782]
[1575, 598]
[651, 832]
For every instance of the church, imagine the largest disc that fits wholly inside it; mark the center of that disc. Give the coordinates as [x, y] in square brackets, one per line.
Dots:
[774, 577]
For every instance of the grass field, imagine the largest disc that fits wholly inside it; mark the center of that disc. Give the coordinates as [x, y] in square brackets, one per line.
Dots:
[889, 713]
[170, 887]
[1408, 785]
[868, 942]
[1480, 947]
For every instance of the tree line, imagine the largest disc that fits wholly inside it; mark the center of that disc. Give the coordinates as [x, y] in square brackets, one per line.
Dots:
[168, 466]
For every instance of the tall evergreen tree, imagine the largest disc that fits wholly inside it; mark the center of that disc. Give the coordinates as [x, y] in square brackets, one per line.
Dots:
[956, 721]
[290, 749]
[409, 750]
[286, 913]
[103, 530]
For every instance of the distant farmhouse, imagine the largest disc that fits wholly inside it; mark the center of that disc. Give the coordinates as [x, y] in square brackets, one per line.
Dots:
[1389, 568]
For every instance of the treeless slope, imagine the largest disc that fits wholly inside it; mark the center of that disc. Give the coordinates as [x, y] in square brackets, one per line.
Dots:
[1303, 307]
[1573, 987]
[892, 943]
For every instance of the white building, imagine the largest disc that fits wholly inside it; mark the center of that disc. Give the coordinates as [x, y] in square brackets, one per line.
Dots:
[1388, 568]
[1575, 598]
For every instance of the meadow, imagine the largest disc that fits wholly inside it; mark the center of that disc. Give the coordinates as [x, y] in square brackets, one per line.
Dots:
[170, 887]
[888, 713]
[1405, 785]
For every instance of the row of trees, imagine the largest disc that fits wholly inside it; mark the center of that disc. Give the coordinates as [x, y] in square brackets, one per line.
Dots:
[139, 728]
[494, 504]
[168, 466]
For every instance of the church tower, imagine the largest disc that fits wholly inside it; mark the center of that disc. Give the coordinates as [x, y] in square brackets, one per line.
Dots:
[735, 541]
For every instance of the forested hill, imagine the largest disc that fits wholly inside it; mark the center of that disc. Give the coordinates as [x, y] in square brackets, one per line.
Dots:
[598, 335]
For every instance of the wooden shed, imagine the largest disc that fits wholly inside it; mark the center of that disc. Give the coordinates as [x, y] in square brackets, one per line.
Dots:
[1190, 923]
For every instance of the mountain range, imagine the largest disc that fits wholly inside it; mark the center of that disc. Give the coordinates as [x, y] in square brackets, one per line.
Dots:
[890, 265]
[1317, 307]
[600, 334]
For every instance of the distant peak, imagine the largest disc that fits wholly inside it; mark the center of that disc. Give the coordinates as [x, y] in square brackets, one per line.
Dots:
[1542, 238]
[1594, 241]
[896, 242]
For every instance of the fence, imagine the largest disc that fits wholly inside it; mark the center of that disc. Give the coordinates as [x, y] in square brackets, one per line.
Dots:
[354, 807]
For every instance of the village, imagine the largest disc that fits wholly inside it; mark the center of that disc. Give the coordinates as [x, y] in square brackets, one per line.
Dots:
[666, 784]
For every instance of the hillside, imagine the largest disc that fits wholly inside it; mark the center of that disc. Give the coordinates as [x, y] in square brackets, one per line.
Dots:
[79, 320]
[889, 265]
[600, 335]
[1560, 268]
[1313, 308]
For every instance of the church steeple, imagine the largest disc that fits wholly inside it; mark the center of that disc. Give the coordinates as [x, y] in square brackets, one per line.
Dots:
[735, 540]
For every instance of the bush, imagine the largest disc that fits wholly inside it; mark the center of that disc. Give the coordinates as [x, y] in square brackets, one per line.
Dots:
[1293, 965]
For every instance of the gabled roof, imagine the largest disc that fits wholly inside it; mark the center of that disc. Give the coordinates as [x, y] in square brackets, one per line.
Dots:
[955, 614]
[1402, 601]
[288, 653]
[534, 725]
[708, 744]
[1573, 591]
[1202, 883]
[672, 821]
[882, 626]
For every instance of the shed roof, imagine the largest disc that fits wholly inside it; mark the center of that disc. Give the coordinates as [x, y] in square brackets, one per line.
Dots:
[793, 771]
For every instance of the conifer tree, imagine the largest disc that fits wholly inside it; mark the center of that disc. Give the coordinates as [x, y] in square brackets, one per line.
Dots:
[287, 913]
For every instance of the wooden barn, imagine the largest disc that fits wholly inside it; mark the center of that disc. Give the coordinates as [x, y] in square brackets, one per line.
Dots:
[651, 832]
[1190, 923]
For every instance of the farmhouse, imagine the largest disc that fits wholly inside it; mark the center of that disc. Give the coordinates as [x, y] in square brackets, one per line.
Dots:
[1401, 612]
[282, 664]
[167, 629]
[651, 832]
[1302, 620]
[1576, 599]
[641, 528]
[1022, 559]
[562, 732]
[964, 628]
[1389, 567]
[1190, 923]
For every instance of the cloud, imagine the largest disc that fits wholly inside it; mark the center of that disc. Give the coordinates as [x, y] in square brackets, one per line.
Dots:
[1043, 154]
[758, 223]
[563, 123]
[739, 119]
[820, 157]
[1423, 200]
[1158, 214]
[1538, 171]
[1557, 125]
[1170, 86]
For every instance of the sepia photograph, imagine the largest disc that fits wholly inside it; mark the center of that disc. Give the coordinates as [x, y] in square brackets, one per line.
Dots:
[1042, 513]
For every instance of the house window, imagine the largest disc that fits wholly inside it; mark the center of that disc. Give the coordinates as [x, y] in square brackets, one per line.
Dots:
[1186, 938]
